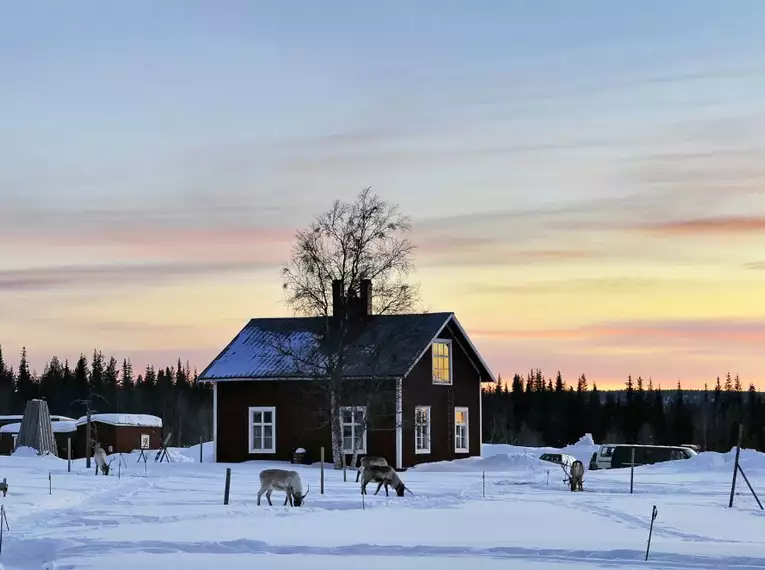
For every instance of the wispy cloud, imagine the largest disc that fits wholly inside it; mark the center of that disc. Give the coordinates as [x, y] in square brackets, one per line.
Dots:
[642, 332]
[717, 225]
[89, 275]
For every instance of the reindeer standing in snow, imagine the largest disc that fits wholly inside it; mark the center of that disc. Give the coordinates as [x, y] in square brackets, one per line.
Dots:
[576, 476]
[99, 456]
[368, 460]
[382, 476]
[282, 480]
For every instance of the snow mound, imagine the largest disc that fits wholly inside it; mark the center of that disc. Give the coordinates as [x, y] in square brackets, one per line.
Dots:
[585, 441]
[191, 454]
[508, 462]
[26, 451]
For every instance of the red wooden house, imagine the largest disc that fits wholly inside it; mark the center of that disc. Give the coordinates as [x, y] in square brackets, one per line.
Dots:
[414, 386]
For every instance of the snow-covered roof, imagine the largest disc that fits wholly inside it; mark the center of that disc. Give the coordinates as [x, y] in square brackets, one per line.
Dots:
[292, 348]
[139, 420]
[61, 426]
[53, 418]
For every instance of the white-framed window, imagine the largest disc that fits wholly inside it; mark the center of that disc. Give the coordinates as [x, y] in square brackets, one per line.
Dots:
[262, 429]
[352, 418]
[461, 432]
[442, 361]
[422, 429]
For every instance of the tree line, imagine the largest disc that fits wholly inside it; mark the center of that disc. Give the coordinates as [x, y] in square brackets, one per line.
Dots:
[172, 392]
[535, 411]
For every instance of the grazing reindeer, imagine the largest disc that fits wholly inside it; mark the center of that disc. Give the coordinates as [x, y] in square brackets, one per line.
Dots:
[368, 460]
[282, 480]
[99, 456]
[382, 475]
[576, 476]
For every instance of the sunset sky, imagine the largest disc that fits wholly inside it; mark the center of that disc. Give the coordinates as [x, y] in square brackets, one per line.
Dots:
[586, 179]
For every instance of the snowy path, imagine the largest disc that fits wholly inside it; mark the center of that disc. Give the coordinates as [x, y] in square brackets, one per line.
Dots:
[174, 518]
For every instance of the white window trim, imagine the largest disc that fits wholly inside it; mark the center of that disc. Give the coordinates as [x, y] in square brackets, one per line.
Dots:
[448, 343]
[426, 450]
[273, 428]
[465, 449]
[363, 448]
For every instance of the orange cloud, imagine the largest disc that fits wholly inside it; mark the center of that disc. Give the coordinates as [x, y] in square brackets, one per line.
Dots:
[718, 225]
[695, 330]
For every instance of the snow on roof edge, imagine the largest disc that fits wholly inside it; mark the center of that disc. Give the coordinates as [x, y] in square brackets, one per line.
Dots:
[137, 420]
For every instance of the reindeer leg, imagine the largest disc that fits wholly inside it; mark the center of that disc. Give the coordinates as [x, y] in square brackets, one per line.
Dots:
[268, 497]
[386, 489]
[287, 497]
[358, 473]
[259, 495]
[378, 487]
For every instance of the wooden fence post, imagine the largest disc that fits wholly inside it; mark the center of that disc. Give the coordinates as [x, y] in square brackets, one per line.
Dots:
[201, 445]
[735, 465]
[228, 486]
[69, 454]
[632, 470]
[321, 489]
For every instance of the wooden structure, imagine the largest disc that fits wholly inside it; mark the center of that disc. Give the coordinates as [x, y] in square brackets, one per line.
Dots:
[119, 433]
[36, 430]
[269, 382]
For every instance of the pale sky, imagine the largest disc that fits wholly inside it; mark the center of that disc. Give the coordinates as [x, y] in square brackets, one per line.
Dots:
[585, 179]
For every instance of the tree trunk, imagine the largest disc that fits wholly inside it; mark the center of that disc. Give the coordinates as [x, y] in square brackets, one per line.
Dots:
[336, 427]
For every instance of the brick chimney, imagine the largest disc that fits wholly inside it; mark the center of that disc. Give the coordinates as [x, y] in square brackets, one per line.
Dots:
[366, 297]
[338, 297]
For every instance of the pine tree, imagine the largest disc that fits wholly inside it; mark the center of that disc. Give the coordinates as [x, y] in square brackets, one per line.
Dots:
[737, 384]
[25, 386]
[559, 384]
[581, 385]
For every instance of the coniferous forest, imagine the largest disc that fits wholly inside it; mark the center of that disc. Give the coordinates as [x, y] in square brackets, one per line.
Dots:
[530, 410]
[535, 411]
[171, 393]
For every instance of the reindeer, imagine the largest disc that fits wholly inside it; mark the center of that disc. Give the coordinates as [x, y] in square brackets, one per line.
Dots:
[282, 480]
[368, 460]
[382, 475]
[99, 456]
[576, 476]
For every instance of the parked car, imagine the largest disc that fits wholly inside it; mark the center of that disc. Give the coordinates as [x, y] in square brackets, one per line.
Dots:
[559, 458]
[648, 454]
[604, 455]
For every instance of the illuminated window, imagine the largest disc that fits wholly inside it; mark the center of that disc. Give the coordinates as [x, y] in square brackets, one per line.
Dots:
[442, 362]
[461, 430]
[422, 429]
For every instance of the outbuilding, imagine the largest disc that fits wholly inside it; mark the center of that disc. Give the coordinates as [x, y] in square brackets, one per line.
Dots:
[120, 433]
[63, 429]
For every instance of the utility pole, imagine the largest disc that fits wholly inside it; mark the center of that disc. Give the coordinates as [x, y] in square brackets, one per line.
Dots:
[88, 402]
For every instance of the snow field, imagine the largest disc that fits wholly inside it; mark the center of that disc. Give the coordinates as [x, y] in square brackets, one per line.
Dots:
[173, 516]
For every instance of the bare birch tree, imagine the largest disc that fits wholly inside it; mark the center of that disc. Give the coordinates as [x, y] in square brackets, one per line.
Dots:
[350, 243]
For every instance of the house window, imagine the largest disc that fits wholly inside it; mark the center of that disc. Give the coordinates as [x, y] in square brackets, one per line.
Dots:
[461, 430]
[263, 430]
[354, 432]
[442, 362]
[422, 429]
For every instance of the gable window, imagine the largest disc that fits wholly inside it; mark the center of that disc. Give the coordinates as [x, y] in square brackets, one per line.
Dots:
[263, 430]
[354, 432]
[461, 430]
[442, 362]
[422, 429]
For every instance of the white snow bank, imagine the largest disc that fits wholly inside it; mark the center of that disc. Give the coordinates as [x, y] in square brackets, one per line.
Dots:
[26, 451]
[524, 462]
[142, 420]
[58, 427]
[585, 441]
[711, 461]
[191, 454]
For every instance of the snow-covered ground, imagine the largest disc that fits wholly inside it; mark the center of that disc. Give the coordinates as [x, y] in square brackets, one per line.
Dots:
[172, 516]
